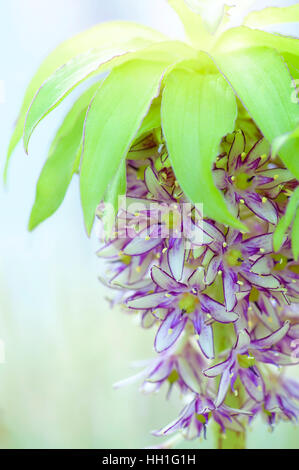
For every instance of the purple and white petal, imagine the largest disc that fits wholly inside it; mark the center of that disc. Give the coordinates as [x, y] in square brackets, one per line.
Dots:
[253, 383]
[187, 374]
[259, 244]
[218, 368]
[212, 269]
[149, 301]
[166, 282]
[176, 257]
[217, 310]
[197, 279]
[230, 288]
[266, 282]
[263, 208]
[270, 340]
[167, 335]
[223, 387]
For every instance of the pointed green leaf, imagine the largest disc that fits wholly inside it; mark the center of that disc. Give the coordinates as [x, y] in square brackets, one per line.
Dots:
[281, 140]
[193, 24]
[272, 15]
[286, 220]
[115, 189]
[151, 121]
[112, 122]
[211, 12]
[62, 162]
[263, 83]
[107, 35]
[66, 78]
[243, 37]
[197, 111]
[63, 81]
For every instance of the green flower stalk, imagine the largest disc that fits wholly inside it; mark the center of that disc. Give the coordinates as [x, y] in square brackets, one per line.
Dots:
[186, 153]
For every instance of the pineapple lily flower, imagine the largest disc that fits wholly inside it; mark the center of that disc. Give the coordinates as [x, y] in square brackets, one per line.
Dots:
[173, 368]
[242, 362]
[248, 181]
[236, 260]
[195, 417]
[183, 302]
[210, 124]
[279, 403]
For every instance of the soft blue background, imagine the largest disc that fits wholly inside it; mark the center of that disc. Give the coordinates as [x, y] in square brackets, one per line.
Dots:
[64, 346]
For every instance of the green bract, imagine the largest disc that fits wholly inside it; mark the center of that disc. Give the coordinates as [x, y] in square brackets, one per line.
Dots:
[197, 92]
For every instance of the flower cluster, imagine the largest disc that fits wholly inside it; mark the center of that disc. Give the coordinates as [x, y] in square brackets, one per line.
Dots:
[221, 301]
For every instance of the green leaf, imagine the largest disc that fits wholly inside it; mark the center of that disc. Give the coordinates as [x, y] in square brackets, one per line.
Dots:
[115, 189]
[62, 161]
[286, 220]
[263, 83]
[281, 140]
[112, 122]
[151, 121]
[106, 35]
[197, 111]
[244, 37]
[292, 62]
[194, 26]
[211, 12]
[272, 15]
[295, 236]
[65, 79]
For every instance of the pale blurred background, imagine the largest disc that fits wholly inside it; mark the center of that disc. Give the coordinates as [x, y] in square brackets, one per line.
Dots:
[64, 346]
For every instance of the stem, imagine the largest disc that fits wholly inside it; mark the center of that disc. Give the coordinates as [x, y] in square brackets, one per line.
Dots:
[231, 439]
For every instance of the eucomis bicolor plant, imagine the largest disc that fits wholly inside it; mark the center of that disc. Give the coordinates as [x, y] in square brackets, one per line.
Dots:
[211, 124]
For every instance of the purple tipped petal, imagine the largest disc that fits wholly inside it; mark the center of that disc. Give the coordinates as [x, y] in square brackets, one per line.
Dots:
[262, 147]
[238, 147]
[149, 301]
[263, 208]
[143, 243]
[253, 245]
[253, 383]
[278, 176]
[167, 334]
[262, 266]
[176, 257]
[230, 288]
[266, 282]
[219, 176]
[187, 375]
[212, 269]
[274, 357]
[197, 279]
[154, 187]
[218, 368]
[223, 387]
[217, 310]
[166, 282]
[274, 338]
[206, 341]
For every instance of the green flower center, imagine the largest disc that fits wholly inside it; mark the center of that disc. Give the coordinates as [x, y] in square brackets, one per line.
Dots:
[188, 302]
[254, 295]
[242, 181]
[173, 376]
[280, 262]
[246, 361]
[234, 257]
[201, 418]
[126, 259]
